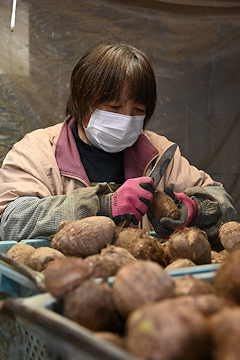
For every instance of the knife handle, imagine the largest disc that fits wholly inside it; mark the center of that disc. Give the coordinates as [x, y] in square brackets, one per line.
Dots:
[123, 224]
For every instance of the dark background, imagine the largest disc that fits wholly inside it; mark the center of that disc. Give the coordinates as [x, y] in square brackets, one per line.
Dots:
[194, 47]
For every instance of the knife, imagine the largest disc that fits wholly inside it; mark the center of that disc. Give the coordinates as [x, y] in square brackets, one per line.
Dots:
[156, 173]
[162, 164]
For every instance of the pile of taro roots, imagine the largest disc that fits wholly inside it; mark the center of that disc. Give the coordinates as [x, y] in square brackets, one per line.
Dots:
[144, 310]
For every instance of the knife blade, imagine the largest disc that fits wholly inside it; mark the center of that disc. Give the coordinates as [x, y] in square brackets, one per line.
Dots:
[156, 173]
[162, 164]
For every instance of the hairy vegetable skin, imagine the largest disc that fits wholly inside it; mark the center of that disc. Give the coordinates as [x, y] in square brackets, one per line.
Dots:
[85, 237]
[141, 245]
[139, 283]
[191, 243]
[164, 206]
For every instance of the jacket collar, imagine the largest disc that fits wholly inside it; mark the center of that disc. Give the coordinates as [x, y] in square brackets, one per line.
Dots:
[67, 155]
[136, 157]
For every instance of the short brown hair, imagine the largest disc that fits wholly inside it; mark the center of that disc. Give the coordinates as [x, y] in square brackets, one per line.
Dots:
[99, 77]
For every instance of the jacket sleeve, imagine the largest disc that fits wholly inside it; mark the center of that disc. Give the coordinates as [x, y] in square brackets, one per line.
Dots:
[31, 217]
[214, 208]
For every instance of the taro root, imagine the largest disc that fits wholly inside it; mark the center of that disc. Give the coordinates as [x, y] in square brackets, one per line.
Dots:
[166, 252]
[109, 261]
[191, 243]
[229, 235]
[40, 258]
[227, 278]
[139, 283]
[164, 206]
[19, 252]
[229, 349]
[218, 257]
[84, 237]
[141, 245]
[225, 332]
[207, 304]
[92, 306]
[179, 263]
[64, 274]
[188, 285]
[111, 337]
[168, 332]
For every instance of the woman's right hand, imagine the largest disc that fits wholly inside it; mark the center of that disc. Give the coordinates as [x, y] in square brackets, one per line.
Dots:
[132, 200]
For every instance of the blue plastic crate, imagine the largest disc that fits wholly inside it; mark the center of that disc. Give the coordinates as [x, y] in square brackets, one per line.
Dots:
[13, 283]
[18, 342]
[204, 272]
[64, 339]
[36, 331]
[6, 245]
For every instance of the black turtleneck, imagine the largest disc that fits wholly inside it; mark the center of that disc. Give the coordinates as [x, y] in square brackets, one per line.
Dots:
[100, 165]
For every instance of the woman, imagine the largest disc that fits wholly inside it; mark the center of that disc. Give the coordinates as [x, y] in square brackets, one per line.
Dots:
[66, 171]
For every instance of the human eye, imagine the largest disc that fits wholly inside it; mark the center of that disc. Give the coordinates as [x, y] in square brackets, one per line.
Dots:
[114, 107]
[140, 110]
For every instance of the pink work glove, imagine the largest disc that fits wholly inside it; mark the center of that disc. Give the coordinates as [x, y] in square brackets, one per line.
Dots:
[132, 200]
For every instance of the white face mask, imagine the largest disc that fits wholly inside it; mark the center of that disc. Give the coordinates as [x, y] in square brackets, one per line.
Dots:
[113, 132]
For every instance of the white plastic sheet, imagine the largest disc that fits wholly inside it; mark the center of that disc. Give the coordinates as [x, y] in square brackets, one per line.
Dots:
[194, 47]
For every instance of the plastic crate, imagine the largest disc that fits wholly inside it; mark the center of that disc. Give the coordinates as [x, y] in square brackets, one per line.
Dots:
[63, 338]
[12, 282]
[33, 329]
[6, 245]
[204, 272]
[18, 342]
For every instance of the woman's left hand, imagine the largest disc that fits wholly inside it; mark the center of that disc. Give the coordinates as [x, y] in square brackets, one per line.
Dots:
[188, 211]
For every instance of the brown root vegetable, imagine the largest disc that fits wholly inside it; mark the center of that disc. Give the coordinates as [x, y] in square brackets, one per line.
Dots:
[165, 331]
[111, 337]
[109, 261]
[229, 349]
[227, 279]
[207, 304]
[19, 252]
[123, 254]
[139, 283]
[191, 243]
[225, 332]
[179, 263]
[65, 274]
[164, 206]
[85, 237]
[40, 258]
[166, 252]
[188, 285]
[92, 306]
[229, 235]
[218, 257]
[141, 245]
[63, 223]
